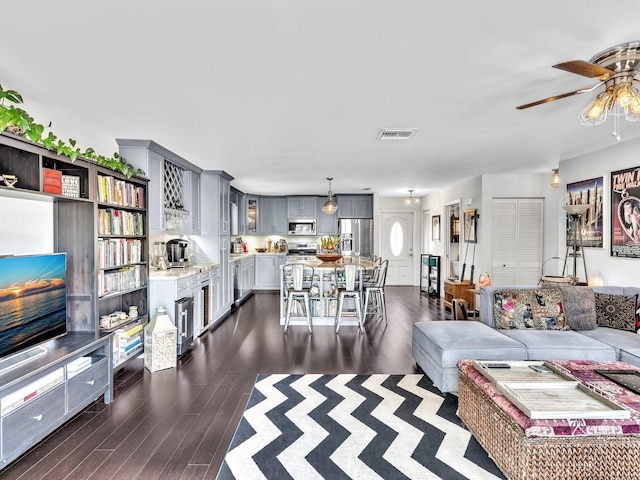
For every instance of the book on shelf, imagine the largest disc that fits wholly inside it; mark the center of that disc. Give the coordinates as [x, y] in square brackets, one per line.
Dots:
[120, 192]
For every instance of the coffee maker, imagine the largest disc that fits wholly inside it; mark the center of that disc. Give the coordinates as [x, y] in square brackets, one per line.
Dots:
[178, 253]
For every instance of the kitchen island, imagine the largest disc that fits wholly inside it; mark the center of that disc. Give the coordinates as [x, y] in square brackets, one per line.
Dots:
[324, 293]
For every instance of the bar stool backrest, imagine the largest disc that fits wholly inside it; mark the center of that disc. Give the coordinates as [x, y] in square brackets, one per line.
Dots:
[382, 273]
[294, 275]
[350, 277]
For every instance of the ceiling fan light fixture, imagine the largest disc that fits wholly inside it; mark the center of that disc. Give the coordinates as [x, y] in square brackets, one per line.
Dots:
[330, 206]
[597, 111]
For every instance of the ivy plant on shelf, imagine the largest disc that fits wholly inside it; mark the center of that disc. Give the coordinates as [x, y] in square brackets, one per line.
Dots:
[17, 121]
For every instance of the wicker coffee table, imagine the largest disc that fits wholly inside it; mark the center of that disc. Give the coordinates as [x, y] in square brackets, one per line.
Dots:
[567, 449]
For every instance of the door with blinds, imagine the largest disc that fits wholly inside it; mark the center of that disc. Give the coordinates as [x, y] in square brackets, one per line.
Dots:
[517, 241]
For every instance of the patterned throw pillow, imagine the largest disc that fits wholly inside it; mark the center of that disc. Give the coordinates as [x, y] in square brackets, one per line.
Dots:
[539, 308]
[616, 311]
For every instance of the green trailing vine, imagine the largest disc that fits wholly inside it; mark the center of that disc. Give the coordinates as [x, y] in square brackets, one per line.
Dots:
[15, 120]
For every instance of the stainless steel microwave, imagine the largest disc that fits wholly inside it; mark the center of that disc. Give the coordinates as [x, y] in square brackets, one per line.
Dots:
[303, 226]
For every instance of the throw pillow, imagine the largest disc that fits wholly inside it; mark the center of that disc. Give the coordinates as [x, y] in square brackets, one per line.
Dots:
[538, 308]
[579, 307]
[616, 311]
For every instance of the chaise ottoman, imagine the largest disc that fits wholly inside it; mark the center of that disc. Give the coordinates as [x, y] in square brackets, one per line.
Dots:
[439, 345]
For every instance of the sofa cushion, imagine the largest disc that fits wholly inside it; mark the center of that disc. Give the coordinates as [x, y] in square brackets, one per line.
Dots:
[539, 309]
[621, 340]
[557, 345]
[579, 307]
[449, 341]
[616, 311]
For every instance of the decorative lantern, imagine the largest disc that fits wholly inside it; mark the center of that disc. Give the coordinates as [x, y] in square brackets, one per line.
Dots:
[160, 340]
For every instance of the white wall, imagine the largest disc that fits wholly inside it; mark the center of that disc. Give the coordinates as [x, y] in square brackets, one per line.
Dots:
[482, 190]
[613, 270]
[26, 226]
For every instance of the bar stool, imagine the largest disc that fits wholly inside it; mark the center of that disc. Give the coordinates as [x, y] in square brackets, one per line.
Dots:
[374, 292]
[294, 277]
[348, 272]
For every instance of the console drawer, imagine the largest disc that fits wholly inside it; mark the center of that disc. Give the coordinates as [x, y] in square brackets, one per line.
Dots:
[87, 384]
[20, 426]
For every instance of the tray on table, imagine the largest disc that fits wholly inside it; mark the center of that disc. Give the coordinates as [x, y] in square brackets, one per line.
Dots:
[552, 395]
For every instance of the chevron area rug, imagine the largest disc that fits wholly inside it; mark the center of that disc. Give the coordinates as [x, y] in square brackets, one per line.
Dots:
[308, 427]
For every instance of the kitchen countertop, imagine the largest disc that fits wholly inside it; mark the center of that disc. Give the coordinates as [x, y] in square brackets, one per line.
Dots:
[178, 273]
[361, 262]
[240, 256]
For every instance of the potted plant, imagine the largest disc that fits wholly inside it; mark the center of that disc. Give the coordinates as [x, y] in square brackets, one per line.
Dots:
[17, 121]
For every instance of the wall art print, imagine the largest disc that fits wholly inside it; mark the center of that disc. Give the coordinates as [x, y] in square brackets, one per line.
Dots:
[625, 213]
[587, 192]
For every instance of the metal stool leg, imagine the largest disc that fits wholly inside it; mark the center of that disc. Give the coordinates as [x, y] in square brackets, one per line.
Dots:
[339, 310]
[288, 315]
[307, 304]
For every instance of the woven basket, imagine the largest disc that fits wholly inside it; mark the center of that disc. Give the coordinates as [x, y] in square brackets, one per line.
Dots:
[599, 457]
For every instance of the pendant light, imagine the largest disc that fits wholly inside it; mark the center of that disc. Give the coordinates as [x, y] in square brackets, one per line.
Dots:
[555, 177]
[330, 206]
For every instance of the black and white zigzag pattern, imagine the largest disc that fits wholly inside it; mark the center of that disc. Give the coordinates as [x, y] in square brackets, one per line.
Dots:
[352, 427]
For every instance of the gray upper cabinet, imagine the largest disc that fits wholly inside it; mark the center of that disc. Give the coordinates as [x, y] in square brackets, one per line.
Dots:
[174, 205]
[241, 202]
[273, 216]
[355, 206]
[251, 213]
[302, 207]
[327, 224]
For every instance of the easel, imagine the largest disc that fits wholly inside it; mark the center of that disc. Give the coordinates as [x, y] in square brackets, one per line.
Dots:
[575, 213]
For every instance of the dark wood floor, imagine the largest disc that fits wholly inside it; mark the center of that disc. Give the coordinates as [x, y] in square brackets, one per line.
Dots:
[178, 423]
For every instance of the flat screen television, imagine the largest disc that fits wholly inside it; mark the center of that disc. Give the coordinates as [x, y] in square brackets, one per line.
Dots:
[33, 300]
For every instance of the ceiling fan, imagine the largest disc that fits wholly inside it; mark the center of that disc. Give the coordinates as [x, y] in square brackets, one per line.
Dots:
[616, 68]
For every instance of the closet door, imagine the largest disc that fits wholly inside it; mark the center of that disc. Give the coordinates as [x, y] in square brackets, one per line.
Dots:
[517, 229]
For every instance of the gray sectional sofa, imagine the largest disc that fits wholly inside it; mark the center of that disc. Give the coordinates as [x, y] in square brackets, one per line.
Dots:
[439, 345]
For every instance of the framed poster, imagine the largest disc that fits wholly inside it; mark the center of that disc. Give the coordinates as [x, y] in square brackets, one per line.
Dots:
[435, 228]
[470, 226]
[587, 192]
[625, 213]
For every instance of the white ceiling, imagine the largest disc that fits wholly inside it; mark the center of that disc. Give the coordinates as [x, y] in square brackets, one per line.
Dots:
[284, 93]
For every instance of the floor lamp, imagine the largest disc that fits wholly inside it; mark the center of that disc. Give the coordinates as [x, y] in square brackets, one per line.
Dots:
[575, 213]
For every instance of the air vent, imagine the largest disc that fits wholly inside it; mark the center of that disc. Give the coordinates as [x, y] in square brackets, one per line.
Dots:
[396, 133]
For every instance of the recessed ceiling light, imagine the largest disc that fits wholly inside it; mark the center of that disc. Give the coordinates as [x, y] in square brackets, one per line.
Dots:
[396, 133]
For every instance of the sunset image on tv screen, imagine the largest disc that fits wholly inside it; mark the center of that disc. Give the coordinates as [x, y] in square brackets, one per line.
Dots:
[33, 300]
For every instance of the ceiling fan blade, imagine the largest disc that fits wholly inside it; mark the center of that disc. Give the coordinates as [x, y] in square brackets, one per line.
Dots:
[558, 97]
[585, 69]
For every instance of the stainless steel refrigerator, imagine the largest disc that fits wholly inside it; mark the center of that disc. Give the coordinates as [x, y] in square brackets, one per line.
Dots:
[356, 237]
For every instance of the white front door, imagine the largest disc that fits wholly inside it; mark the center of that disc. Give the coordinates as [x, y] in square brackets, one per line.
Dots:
[397, 247]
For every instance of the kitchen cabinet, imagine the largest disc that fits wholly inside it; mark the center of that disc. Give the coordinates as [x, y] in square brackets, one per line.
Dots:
[244, 276]
[174, 207]
[194, 202]
[251, 213]
[302, 207]
[327, 224]
[267, 271]
[241, 202]
[355, 206]
[272, 218]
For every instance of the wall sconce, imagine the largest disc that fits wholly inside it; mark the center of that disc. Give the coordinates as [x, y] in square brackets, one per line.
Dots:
[555, 177]
[468, 201]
